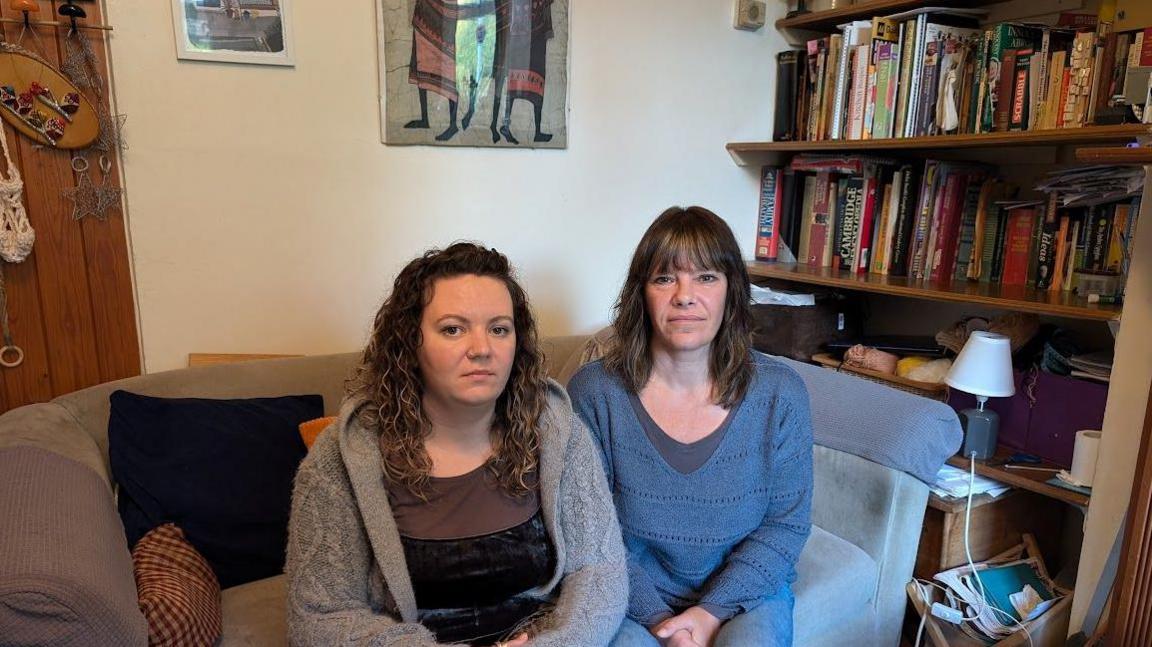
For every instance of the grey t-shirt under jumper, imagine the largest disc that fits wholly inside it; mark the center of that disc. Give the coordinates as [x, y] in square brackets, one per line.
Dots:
[457, 507]
[683, 457]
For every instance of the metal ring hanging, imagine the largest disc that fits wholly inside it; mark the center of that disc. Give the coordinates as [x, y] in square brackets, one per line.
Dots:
[8, 349]
[11, 350]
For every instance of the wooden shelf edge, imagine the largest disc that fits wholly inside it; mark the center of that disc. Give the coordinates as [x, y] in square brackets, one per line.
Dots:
[828, 20]
[1026, 301]
[1020, 480]
[1060, 137]
[824, 20]
[1113, 155]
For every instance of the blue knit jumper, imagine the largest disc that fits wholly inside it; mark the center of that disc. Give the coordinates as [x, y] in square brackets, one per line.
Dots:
[726, 535]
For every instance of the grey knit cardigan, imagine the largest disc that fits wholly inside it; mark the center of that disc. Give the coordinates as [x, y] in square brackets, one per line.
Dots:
[347, 580]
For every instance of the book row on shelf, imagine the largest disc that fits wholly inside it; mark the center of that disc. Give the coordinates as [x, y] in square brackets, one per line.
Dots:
[937, 71]
[944, 221]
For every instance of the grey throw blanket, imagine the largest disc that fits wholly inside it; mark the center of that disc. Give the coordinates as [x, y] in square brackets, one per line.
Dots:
[347, 581]
[65, 571]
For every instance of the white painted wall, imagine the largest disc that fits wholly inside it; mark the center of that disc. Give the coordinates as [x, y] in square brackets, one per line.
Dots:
[265, 215]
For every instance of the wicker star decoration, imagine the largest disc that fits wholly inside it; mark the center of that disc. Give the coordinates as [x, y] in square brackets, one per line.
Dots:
[80, 63]
[111, 137]
[107, 197]
[84, 196]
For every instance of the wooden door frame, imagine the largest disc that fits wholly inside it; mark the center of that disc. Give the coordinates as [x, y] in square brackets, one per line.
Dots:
[1131, 624]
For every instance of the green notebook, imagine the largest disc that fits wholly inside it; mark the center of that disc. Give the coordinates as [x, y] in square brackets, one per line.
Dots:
[1003, 581]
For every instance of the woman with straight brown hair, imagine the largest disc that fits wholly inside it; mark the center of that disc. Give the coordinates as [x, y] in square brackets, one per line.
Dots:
[707, 445]
[458, 498]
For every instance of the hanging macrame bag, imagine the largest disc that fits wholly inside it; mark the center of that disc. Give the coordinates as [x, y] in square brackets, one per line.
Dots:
[16, 233]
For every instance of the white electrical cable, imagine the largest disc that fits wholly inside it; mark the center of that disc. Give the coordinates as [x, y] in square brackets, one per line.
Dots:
[968, 553]
[928, 604]
[924, 619]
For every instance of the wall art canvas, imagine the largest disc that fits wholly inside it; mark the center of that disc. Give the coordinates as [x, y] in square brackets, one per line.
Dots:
[233, 31]
[474, 72]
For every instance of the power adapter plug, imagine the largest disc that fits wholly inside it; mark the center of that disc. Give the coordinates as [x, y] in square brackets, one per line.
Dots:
[945, 612]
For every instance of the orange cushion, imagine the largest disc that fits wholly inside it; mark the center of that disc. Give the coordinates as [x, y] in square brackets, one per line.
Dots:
[311, 429]
[179, 594]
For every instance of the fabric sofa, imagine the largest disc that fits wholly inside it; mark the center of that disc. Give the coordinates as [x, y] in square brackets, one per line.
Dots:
[66, 577]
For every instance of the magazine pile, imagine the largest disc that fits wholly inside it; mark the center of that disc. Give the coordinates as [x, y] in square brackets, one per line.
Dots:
[999, 598]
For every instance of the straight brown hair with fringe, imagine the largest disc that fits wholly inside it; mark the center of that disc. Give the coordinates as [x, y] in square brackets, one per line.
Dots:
[681, 239]
[388, 374]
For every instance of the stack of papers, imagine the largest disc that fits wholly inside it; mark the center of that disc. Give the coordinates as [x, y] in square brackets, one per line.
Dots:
[953, 482]
[1090, 185]
[767, 296]
[1004, 597]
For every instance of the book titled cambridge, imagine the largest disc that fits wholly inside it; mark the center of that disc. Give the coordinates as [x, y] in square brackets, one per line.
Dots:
[941, 221]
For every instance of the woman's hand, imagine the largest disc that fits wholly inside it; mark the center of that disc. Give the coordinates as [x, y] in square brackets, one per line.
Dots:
[700, 625]
[682, 638]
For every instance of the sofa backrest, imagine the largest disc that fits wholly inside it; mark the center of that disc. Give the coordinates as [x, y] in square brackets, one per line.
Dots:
[322, 374]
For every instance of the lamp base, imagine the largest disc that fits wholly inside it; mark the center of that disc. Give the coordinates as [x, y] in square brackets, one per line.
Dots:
[980, 430]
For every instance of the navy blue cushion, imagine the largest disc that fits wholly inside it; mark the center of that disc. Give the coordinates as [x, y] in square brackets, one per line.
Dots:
[220, 469]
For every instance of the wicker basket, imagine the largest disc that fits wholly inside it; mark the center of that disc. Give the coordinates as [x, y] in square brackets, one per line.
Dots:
[923, 389]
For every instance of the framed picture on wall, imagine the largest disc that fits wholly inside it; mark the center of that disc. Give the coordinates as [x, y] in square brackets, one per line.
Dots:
[234, 31]
[488, 73]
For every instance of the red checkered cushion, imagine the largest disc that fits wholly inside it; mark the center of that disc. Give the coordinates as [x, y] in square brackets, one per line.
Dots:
[179, 594]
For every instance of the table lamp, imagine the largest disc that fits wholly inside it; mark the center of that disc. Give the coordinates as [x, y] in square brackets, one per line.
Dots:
[984, 369]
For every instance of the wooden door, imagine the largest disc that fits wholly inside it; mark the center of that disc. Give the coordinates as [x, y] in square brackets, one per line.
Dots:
[1132, 624]
[70, 303]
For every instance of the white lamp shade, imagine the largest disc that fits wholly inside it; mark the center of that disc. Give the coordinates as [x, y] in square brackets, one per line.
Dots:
[984, 366]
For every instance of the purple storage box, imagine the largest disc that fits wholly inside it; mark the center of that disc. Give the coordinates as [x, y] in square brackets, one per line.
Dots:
[1042, 418]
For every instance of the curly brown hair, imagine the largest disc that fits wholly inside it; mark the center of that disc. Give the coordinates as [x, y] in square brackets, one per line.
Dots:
[681, 238]
[388, 375]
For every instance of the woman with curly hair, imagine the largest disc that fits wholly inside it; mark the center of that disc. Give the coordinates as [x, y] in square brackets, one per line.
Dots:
[457, 499]
[707, 445]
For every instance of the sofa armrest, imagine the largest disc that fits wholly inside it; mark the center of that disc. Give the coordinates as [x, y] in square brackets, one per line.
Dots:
[879, 509]
[65, 571]
[52, 427]
[885, 425]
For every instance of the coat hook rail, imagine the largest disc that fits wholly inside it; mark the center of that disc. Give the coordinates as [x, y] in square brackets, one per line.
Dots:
[55, 23]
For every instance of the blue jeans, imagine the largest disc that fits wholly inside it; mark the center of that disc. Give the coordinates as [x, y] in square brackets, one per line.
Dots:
[768, 625]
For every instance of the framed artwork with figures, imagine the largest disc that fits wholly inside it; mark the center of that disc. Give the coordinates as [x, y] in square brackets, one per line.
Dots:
[490, 73]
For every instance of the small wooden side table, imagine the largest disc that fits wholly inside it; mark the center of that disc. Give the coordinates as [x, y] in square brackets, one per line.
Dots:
[996, 525]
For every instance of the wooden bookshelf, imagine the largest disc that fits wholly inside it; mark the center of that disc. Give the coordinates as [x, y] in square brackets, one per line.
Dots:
[747, 152]
[1024, 156]
[1005, 297]
[826, 21]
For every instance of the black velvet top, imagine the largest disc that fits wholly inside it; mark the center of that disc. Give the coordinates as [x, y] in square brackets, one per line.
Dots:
[467, 590]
